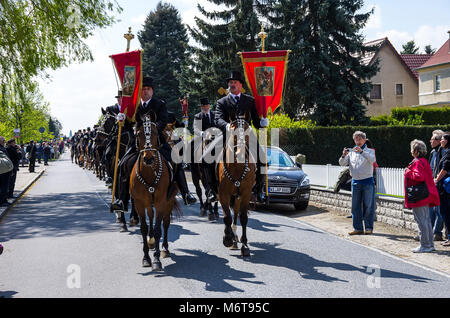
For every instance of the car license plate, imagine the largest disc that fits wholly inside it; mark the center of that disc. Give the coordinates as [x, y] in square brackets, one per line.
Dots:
[279, 190]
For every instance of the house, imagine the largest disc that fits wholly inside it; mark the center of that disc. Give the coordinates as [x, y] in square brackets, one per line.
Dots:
[434, 78]
[397, 83]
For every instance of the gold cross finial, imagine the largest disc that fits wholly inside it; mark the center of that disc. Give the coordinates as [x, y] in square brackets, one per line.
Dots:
[128, 36]
[263, 36]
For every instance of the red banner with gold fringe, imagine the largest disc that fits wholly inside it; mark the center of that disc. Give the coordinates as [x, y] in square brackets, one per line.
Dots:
[265, 74]
[129, 68]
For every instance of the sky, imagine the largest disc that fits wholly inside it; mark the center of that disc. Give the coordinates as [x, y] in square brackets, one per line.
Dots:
[76, 93]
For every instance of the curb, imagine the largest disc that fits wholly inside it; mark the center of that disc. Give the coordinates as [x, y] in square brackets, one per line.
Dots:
[3, 213]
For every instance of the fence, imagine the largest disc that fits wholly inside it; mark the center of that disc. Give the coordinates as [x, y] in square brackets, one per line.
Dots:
[389, 180]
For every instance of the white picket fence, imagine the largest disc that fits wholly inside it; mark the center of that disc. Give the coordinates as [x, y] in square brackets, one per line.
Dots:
[389, 180]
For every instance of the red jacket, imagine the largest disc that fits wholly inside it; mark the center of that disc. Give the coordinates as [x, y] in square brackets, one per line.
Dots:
[418, 171]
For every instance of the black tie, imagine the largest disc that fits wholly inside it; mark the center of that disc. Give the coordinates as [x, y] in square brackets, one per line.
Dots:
[207, 119]
[237, 99]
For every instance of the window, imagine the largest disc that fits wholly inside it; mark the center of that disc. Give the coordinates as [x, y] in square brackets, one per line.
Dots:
[376, 91]
[399, 89]
[437, 83]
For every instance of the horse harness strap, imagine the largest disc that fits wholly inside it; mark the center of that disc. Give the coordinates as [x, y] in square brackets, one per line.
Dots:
[150, 188]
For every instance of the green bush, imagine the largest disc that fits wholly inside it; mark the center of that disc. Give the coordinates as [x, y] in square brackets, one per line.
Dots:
[323, 145]
[430, 115]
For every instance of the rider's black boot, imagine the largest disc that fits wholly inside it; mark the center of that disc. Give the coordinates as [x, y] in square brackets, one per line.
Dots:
[180, 178]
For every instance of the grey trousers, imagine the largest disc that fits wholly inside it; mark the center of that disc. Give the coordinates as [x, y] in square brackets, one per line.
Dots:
[422, 217]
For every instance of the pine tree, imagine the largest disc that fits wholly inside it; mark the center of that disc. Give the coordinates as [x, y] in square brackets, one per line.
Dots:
[218, 44]
[410, 48]
[429, 50]
[164, 40]
[326, 78]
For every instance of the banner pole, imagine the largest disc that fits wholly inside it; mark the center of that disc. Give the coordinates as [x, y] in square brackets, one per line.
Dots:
[116, 161]
[267, 170]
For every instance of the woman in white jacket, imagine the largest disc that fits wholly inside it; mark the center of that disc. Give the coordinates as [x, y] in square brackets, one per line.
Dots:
[360, 159]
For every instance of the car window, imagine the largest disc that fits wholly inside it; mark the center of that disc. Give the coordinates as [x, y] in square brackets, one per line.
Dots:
[277, 158]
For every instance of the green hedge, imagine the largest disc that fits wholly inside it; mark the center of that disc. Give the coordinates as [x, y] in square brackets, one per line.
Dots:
[430, 115]
[323, 145]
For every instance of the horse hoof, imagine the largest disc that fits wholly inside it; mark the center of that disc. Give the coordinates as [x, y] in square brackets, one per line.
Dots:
[123, 228]
[157, 267]
[234, 246]
[212, 217]
[202, 212]
[165, 254]
[118, 221]
[245, 251]
[133, 222]
[146, 262]
[151, 243]
[228, 242]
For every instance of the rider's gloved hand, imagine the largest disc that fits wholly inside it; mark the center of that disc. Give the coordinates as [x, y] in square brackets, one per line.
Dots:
[264, 122]
[120, 117]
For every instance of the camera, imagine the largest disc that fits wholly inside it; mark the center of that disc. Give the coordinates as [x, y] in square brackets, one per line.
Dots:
[349, 149]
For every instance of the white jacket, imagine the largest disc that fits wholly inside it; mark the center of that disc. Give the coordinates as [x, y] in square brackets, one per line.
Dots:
[361, 164]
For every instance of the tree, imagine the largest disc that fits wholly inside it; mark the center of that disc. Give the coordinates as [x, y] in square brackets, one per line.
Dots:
[164, 40]
[410, 48]
[429, 50]
[326, 79]
[234, 29]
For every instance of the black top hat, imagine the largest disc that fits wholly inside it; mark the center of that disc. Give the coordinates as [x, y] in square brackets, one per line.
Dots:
[147, 81]
[204, 101]
[119, 94]
[235, 75]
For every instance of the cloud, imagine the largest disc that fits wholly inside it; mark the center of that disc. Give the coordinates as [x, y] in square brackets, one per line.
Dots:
[374, 22]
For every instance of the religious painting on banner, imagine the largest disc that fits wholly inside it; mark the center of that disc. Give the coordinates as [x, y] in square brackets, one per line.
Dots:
[129, 68]
[265, 74]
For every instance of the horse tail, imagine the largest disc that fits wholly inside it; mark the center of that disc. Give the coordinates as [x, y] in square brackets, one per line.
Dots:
[177, 209]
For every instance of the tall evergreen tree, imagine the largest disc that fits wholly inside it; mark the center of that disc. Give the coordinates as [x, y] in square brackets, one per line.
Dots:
[410, 48]
[429, 50]
[326, 78]
[164, 40]
[235, 29]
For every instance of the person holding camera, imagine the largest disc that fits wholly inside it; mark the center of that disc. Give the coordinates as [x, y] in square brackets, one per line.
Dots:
[360, 160]
[421, 194]
[14, 154]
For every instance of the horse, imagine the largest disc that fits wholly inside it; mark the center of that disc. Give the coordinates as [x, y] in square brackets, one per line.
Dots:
[149, 187]
[109, 128]
[236, 180]
[197, 177]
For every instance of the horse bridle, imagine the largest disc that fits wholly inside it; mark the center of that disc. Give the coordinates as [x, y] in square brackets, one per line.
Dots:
[241, 140]
[147, 125]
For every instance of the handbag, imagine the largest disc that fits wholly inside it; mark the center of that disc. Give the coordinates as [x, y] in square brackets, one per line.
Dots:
[6, 164]
[417, 192]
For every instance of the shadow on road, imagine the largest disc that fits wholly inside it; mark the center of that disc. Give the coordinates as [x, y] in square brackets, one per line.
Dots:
[308, 267]
[210, 269]
[57, 215]
[7, 294]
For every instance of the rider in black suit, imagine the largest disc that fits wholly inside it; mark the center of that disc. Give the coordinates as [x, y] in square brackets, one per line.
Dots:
[228, 109]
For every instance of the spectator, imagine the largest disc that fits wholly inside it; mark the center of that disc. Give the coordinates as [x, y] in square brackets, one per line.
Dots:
[22, 149]
[360, 159]
[31, 153]
[39, 152]
[15, 155]
[5, 171]
[418, 172]
[47, 153]
[435, 156]
[444, 192]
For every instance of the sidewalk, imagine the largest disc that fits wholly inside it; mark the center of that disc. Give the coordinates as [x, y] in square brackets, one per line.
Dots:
[24, 181]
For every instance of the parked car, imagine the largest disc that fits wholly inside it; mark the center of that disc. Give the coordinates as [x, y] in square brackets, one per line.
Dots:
[287, 182]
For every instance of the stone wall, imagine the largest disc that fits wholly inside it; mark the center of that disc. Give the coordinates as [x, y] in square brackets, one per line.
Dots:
[388, 210]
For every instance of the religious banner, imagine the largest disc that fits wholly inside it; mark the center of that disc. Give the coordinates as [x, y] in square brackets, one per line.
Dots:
[128, 66]
[265, 74]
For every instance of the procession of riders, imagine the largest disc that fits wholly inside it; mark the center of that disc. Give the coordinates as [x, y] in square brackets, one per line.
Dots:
[150, 170]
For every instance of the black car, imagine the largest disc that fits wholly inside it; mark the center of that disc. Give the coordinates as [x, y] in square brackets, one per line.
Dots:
[288, 183]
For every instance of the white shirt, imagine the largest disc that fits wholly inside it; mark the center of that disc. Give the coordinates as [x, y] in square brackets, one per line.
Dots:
[234, 96]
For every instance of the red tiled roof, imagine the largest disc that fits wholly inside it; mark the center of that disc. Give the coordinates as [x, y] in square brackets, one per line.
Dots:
[415, 61]
[440, 57]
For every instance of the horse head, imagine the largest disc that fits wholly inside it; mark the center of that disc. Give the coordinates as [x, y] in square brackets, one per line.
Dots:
[148, 140]
[107, 124]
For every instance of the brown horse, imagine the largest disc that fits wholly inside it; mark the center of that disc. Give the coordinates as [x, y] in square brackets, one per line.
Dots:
[149, 184]
[236, 180]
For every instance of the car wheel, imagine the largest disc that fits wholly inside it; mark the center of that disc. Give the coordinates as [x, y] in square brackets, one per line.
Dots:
[302, 205]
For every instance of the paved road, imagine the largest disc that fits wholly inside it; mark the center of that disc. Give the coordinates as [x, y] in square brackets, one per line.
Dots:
[61, 236]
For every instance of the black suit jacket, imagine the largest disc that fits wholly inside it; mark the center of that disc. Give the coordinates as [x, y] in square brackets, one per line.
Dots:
[227, 110]
[157, 111]
[201, 123]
